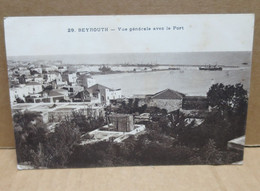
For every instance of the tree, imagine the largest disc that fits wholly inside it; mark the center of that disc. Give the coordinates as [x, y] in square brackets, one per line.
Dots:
[228, 119]
[59, 145]
[25, 119]
[225, 122]
[230, 98]
[30, 131]
[84, 123]
[41, 148]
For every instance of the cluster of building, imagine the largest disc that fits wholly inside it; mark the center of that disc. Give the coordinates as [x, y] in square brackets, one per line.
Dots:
[53, 83]
[172, 100]
[194, 108]
[59, 91]
[120, 126]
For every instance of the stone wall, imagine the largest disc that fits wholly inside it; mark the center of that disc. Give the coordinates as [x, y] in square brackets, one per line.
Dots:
[168, 104]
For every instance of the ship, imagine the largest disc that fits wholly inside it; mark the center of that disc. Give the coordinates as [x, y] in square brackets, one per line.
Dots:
[210, 67]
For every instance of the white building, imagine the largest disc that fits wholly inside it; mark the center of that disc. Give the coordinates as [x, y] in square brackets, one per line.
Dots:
[33, 87]
[38, 79]
[114, 94]
[52, 76]
[18, 92]
[104, 94]
[23, 90]
[72, 78]
[86, 81]
[59, 81]
[24, 71]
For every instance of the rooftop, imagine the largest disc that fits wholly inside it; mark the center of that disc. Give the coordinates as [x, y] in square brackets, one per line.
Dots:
[54, 93]
[97, 87]
[168, 94]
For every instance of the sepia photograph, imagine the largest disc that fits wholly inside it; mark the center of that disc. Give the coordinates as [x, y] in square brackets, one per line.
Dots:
[137, 107]
[129, 109]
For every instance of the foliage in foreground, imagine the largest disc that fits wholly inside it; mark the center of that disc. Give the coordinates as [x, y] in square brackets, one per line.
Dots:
[149, 149]
[41, 148]
[167, 141]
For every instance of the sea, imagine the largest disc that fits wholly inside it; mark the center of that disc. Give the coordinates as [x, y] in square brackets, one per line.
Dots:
[189, 81]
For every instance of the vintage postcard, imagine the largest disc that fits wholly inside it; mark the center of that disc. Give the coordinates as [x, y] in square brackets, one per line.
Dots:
[97, 91]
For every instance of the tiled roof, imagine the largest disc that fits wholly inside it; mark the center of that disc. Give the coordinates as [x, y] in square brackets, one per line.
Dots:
[97, 87]
[168, 94]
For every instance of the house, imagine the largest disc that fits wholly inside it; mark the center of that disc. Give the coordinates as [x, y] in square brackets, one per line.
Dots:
[103, 93]
[85, 81]
[82, 96]
[73, 90]
[59, 81]
[59, 113]
[18, 92]
[48, 96]
[41, 109]
[97, 92]
[85, 96]
[121, 122]
[63, 111]
[33, 87]
[114, 94]
[38, 79]
[52, 76]
[94, 111]
[34, 98]
[24, 71]
[70, 78]
[167, 99]
[24, 90]
[55, 95]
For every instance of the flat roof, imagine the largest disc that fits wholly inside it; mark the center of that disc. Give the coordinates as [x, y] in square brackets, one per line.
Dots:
[22, 106]
[42, 107]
